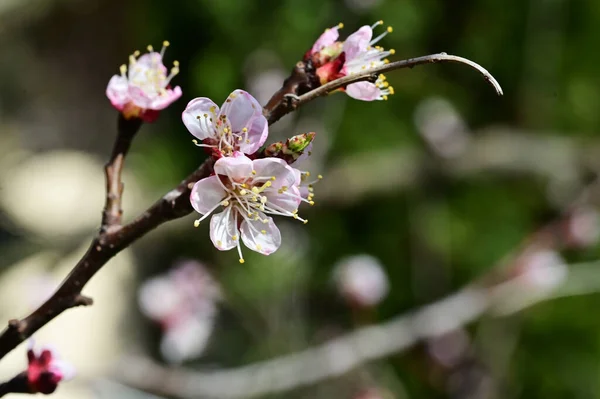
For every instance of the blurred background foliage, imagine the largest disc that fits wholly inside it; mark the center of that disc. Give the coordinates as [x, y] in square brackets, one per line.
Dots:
[439, 183]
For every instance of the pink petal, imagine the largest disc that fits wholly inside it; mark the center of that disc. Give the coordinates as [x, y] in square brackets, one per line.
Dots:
[186, 339]
[365, 91]
[237, 167]
[241, 109]
[326, 39]
[65, 370]
[223, 227]
[164, 100]
[275, 167]
[117, 91]
[289, 200]
[139, 97]
[198, 107]
[252, 234]
[147, 61]
[206, 194]
[357, 42]
[258, 131]
[158, 298]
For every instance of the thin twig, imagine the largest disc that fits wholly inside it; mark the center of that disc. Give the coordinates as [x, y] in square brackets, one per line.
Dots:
[111, 216]
[340, 355]
[295, 101]
[173, 205]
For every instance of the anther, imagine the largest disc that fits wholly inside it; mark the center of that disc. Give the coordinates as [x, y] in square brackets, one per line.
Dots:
[196, 223]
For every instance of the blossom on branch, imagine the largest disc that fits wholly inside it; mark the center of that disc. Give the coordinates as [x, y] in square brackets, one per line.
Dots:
[45, 370]
[143, 89]
[248, 190]
[239, 125]
[358, 53]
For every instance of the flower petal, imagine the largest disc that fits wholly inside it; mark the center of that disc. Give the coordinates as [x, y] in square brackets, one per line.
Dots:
[117, 91]
[275, 167]
[288, 201]
[241, 109]
[357, 42]
[195, 121]
[327, 38]
[207, 194]
[258, 131]
[263, 238]
[223, 226]
[236, 167]
[365, 91]
[165, 99]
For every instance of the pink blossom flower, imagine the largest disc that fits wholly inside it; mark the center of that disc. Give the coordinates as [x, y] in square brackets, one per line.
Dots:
[143, 89]
[248, 190]
[183, 301]
[238, 126]
[361, 280]
[45, 370]
[358, 53]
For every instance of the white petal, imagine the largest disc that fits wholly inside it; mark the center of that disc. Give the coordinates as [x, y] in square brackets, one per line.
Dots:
[289, 200]
[194, 119]
[64, 369]
[365, 91]
[117, 91]
[187, 339]
[261, 237]
[240, 108]
[357, 42]
[158, 298]
[206, 194]
[223, 227]
[275, 167]
[237, 167]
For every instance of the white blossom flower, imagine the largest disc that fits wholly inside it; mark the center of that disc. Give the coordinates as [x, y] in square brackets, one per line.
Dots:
[46, 370]
[248, 190]
[238, 126]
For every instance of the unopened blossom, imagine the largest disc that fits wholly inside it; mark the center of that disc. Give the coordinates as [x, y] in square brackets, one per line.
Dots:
[358, 53]
[46, 370]
[184, 303]
[248, 191]
[143, 88]
[361, 280]
[239, 125]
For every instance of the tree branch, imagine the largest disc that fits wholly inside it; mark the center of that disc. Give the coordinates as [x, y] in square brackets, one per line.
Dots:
[173, 205]
[340, 355]
[287, 102]
[111, 216]
[17, 384]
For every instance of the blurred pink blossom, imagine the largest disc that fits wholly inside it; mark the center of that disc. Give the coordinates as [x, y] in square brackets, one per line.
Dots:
[361, 280]
[143, 89]
[183, 301]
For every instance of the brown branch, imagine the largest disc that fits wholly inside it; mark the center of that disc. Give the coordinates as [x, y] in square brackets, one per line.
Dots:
[111, 216]
[173, 205]
[17, 384]
[289, 101]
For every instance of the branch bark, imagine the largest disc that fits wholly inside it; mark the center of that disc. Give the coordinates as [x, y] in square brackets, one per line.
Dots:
[284, 102]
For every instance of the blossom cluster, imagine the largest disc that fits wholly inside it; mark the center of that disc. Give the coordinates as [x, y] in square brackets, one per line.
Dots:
[334, 59]
[46, 370]
[247, 185]
[250, 183]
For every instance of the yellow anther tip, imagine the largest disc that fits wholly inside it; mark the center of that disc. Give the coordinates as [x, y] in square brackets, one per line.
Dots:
[340, 25]
[242, 260]
[305, 221]
[311, 202]
[166, 43]
[150, 48]
[392, 51]
[176, 63]
[320, 176]
[380, 22]
[390, 29]
[196, 223]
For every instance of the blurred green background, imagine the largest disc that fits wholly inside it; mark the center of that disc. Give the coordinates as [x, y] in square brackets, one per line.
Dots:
[439, 183]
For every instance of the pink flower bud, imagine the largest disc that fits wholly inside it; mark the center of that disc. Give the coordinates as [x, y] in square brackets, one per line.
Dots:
[361, 280]
[45, 370]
